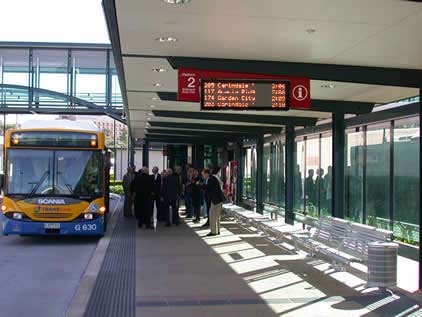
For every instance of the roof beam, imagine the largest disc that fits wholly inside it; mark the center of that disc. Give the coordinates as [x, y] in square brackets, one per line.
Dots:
[216, 127]
[236, 117]
[195, 133]
[400, 77]
[110, 14]
[339, 106]
[322, 105]
[184, 139]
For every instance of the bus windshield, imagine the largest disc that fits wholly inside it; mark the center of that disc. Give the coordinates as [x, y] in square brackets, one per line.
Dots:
[54, 172]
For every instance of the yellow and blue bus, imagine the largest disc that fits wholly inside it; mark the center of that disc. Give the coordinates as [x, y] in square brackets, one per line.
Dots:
[56, 182]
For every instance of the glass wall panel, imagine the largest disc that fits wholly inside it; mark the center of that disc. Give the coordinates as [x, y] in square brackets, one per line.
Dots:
[378, 175]
[299, 177]
[49, 69]
[354, 175]
[268, 171]
[281, 194]
[208, 156]
[274, 181]
[14, 70]
[406, 180]
[253, 173]
[247, 176]
[324, 178]
[90, 75]
[312, 166]
[116, 96]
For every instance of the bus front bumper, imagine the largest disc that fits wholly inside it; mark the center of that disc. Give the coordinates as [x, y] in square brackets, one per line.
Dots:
[93, 227]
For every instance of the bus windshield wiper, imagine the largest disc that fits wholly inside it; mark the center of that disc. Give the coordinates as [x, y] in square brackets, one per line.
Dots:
[39, 183]
[70, 188]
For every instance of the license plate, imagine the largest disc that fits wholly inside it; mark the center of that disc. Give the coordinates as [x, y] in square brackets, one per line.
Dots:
[51, 226]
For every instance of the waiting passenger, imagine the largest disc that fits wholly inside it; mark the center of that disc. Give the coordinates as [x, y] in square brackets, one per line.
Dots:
[156, 195]
[216, 196]
[328, 187]
[310, 187]
[142, 187]
[320, 187]
[298, 186]
[127, 182]
[178, 173]
[197, 195]
[188, 192]
[171, 193]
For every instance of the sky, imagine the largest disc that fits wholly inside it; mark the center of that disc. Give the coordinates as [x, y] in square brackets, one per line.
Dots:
[75, 21]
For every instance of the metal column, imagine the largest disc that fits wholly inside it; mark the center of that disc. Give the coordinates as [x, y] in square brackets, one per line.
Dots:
[420, 188]
[145, 154]
[131, 149]
[198, 155]
[260, 173]
[239, 176]
[290, 162]
[338, 128]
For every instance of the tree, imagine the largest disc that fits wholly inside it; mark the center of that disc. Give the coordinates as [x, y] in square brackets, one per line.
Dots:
[109, 137]
[122, 139]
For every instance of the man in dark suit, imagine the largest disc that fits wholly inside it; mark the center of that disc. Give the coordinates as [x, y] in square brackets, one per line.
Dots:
[156, 194]
[170, 192]
[216, 196]
[142, 186]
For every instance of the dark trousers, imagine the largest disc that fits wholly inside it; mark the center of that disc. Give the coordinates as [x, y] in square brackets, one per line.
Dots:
[174, 210]
[208, 202]
[143, 212]
[160, 214]
[127, 211]
[197, 211]
[188, 204]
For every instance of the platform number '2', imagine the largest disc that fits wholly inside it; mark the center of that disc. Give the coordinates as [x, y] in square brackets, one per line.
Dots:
[191, 82]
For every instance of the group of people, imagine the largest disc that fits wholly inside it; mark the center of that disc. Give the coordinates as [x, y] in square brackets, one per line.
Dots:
[317, 189]
[157, 197]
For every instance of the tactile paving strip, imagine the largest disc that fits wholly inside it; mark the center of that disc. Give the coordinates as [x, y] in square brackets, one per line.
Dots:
[115, 290]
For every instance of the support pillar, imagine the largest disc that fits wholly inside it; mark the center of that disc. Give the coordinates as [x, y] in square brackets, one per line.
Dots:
[131, 152]
[420, 188]
[338, 130]
[260, 173]
[198, 155]
[290, 161]
[239, 172]
[145, 154]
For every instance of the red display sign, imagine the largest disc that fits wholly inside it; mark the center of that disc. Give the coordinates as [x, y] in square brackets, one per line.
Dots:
[189, 85]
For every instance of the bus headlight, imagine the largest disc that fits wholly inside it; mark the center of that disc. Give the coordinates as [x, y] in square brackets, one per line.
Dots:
[102, 209]
[3, 208]
[17, 215]
[88, 216]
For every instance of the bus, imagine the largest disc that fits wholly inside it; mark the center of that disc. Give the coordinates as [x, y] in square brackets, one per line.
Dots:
[56, 181]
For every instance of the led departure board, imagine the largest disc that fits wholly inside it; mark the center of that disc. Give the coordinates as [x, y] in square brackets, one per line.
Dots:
[244, 94]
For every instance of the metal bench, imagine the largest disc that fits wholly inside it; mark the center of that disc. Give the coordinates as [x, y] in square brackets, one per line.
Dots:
[354, 247]
[247, 217]
[329, 233]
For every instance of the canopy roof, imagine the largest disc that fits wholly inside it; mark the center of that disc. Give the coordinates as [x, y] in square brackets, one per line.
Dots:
[353, 52]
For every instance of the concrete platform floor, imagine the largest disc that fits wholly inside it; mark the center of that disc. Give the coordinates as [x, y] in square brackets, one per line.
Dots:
[180, 272]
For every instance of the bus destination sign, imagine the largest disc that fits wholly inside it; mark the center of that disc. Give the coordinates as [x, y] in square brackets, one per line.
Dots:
[224, 94]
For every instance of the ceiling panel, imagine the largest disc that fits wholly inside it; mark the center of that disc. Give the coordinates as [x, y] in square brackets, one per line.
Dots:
[139, 74]
[356, 11]
[381, 33]
[274, 29]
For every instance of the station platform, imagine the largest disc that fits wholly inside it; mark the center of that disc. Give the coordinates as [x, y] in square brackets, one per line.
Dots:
[178, 271]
